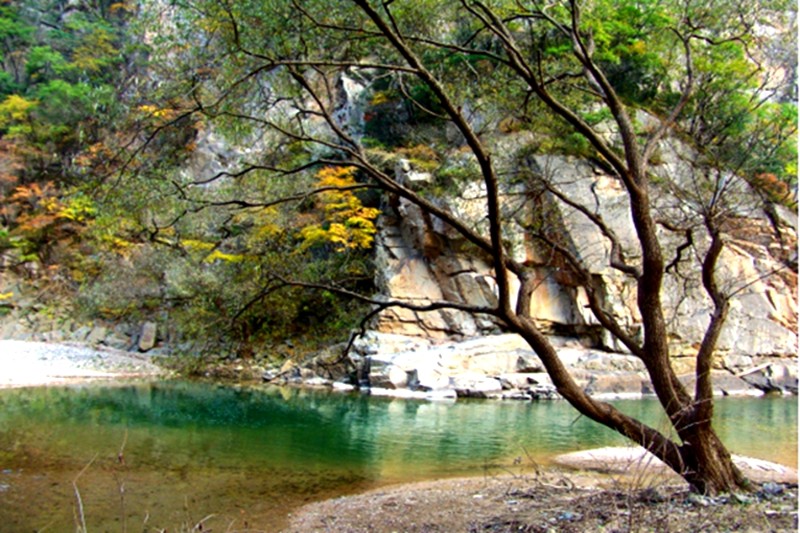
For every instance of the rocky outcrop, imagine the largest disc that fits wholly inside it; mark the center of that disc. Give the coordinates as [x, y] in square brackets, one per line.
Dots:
[450, 353]
[504, 367]
[23, 323]
[420, 259]
[405, 272]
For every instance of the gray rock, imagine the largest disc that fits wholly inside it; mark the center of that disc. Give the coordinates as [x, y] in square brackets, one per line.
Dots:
[517, 380]
[517, 395]
[544, 392]
[736, 362]
[399, 378]
[317, 382]
[406, 174]
[80, 333]
[432, 378]
[476, 386]
[615, 385]
[117, 341]
[528, 362]
[770, 489]
[147, 337]
[96, 335]
[488, 367]
[773, 377]
[338, 386]
[307, 375]
[53, 336]
[724, 384]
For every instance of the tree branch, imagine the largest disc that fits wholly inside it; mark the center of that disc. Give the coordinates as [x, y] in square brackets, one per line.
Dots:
[704, 406]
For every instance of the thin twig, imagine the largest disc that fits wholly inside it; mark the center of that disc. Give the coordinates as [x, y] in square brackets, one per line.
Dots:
[81, 517]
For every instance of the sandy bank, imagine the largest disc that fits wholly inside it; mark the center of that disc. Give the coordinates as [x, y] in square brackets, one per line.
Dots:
[25, 364]
[594, 498]
[634, 460]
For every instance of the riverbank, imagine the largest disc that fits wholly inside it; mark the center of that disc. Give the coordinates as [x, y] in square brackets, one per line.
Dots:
[550, 501]
[504, 367]
[27, 364]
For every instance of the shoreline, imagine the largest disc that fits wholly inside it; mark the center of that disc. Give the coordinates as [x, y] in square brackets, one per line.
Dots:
[549, 499]
[36, 364]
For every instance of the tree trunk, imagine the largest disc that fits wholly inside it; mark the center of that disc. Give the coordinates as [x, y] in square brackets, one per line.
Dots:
[702, 459]
[707, 464]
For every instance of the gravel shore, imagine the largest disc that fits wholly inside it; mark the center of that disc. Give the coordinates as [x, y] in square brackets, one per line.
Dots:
[549, 502]
[24, 364]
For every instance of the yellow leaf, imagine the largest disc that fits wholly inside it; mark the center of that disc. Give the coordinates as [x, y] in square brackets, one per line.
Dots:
[15, 109]
[216, 255]
[349, 224]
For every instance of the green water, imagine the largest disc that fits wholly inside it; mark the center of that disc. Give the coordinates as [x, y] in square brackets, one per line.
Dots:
[168, 455]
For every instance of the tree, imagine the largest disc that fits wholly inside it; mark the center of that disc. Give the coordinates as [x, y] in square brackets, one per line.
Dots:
[67, 71]
[578, 70]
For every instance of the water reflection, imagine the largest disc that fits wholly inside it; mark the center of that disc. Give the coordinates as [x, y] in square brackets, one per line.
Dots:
[258, 452]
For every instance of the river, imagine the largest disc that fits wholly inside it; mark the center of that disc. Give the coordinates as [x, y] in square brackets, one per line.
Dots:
[168, 455]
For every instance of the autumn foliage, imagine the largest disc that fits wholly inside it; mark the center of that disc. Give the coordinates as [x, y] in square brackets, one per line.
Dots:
[347, 224]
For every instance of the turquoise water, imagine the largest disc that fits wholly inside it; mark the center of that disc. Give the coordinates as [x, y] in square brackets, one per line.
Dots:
[167, 455]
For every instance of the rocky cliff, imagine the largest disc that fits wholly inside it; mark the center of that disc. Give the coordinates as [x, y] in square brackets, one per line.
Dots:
[420, 260]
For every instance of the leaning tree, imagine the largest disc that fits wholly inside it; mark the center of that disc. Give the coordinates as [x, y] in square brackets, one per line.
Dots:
[578, 72]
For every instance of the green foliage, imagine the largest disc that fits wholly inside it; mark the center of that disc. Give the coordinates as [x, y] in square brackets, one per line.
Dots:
[67, 66]
[44, 63]
[15, 115]
[62, 77]
[217, 255]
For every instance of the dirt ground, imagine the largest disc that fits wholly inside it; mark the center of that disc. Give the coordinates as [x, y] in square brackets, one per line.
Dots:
[552, 501]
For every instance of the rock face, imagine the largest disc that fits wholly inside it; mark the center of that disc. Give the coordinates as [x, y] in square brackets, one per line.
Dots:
[421, 260]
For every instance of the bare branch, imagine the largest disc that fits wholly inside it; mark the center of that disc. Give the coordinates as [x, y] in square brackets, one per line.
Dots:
[617, 260]
[384, 303]
[484, 159]
[703, 387]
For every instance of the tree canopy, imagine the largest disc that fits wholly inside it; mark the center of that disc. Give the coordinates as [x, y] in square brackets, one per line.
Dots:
[610, 81]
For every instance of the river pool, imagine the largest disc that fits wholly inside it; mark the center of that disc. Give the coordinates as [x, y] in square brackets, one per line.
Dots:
[167, 455]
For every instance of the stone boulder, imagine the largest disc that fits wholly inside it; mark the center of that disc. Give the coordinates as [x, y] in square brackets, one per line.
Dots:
[617, 385]
[772, 378]
[503, 366]
[476, 385]
[471, 367]
[147, 337]
[724, 384]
